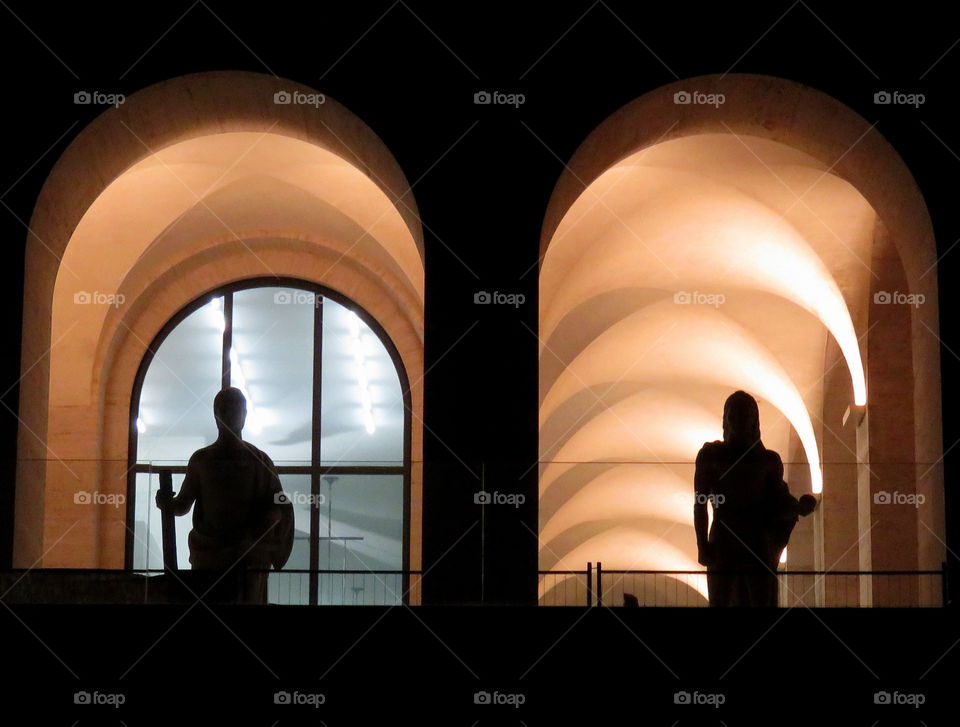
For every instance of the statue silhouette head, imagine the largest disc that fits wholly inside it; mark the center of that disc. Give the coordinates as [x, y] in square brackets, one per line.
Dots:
[230, 411]
[741, 419]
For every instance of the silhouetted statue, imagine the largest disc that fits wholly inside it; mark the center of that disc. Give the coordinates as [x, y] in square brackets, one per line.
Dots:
[753, 510]
[241, 518]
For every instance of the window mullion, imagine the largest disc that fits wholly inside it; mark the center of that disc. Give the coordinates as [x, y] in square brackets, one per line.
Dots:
[227, 339]
[315, 449]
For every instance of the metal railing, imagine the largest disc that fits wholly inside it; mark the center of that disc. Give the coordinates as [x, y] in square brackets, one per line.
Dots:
[109, 586]
[595, 586]
[345, 587]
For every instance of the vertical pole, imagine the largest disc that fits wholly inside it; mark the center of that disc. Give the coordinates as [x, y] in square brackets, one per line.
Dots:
[330, 480]
[226, 370]
[167, 524]
[314, 597]
[483, 531]
[227, 301]
[864, 509]
[599, 583]
[589, 584]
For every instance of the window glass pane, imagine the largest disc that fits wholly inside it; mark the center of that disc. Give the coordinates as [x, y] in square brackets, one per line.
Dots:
[146, 540]
[361, 528]
[272, 363]
[294, 588]
[363, 514]
[362, 417]
[297, 488]
[176, 402]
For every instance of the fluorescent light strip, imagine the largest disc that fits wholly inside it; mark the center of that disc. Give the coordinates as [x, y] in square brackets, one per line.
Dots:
[216, 315]
[237, 378]
[363, 381]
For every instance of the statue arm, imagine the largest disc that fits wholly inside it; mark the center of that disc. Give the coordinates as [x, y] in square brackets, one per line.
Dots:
[272, 480]
[786, 506]
[278, 517]
[184, 499]
[703, 486]
[180, 503]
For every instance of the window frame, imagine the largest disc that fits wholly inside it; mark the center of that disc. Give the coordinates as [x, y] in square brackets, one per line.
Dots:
[315, 470]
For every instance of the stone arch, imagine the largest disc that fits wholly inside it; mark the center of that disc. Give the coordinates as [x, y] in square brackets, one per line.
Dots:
[192, 183]
[807, 138]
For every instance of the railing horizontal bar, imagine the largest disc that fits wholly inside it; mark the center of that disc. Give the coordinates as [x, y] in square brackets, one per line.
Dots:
[179, 469]
[561, 572]
[779, 572]
[92, 571]
[338, 572]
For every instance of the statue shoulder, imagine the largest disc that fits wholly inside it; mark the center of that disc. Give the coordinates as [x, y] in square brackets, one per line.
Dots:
[710, 448]
[257, 452]
[260, 456]
[774, 462]
[201, 455]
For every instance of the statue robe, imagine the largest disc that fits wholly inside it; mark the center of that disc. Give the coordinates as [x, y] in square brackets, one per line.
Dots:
[242, 520]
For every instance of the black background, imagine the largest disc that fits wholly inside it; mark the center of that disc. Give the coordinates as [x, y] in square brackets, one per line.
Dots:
[482, 174]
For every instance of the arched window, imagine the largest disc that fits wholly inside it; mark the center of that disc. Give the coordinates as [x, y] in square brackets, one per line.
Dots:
[326, 400]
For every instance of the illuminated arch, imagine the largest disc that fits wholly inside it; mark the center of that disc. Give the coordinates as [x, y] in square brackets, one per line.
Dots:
[192, 184]
[670, 228]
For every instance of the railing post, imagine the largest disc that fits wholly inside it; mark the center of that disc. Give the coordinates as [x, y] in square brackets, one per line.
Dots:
[589, 584]
[599, 583]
